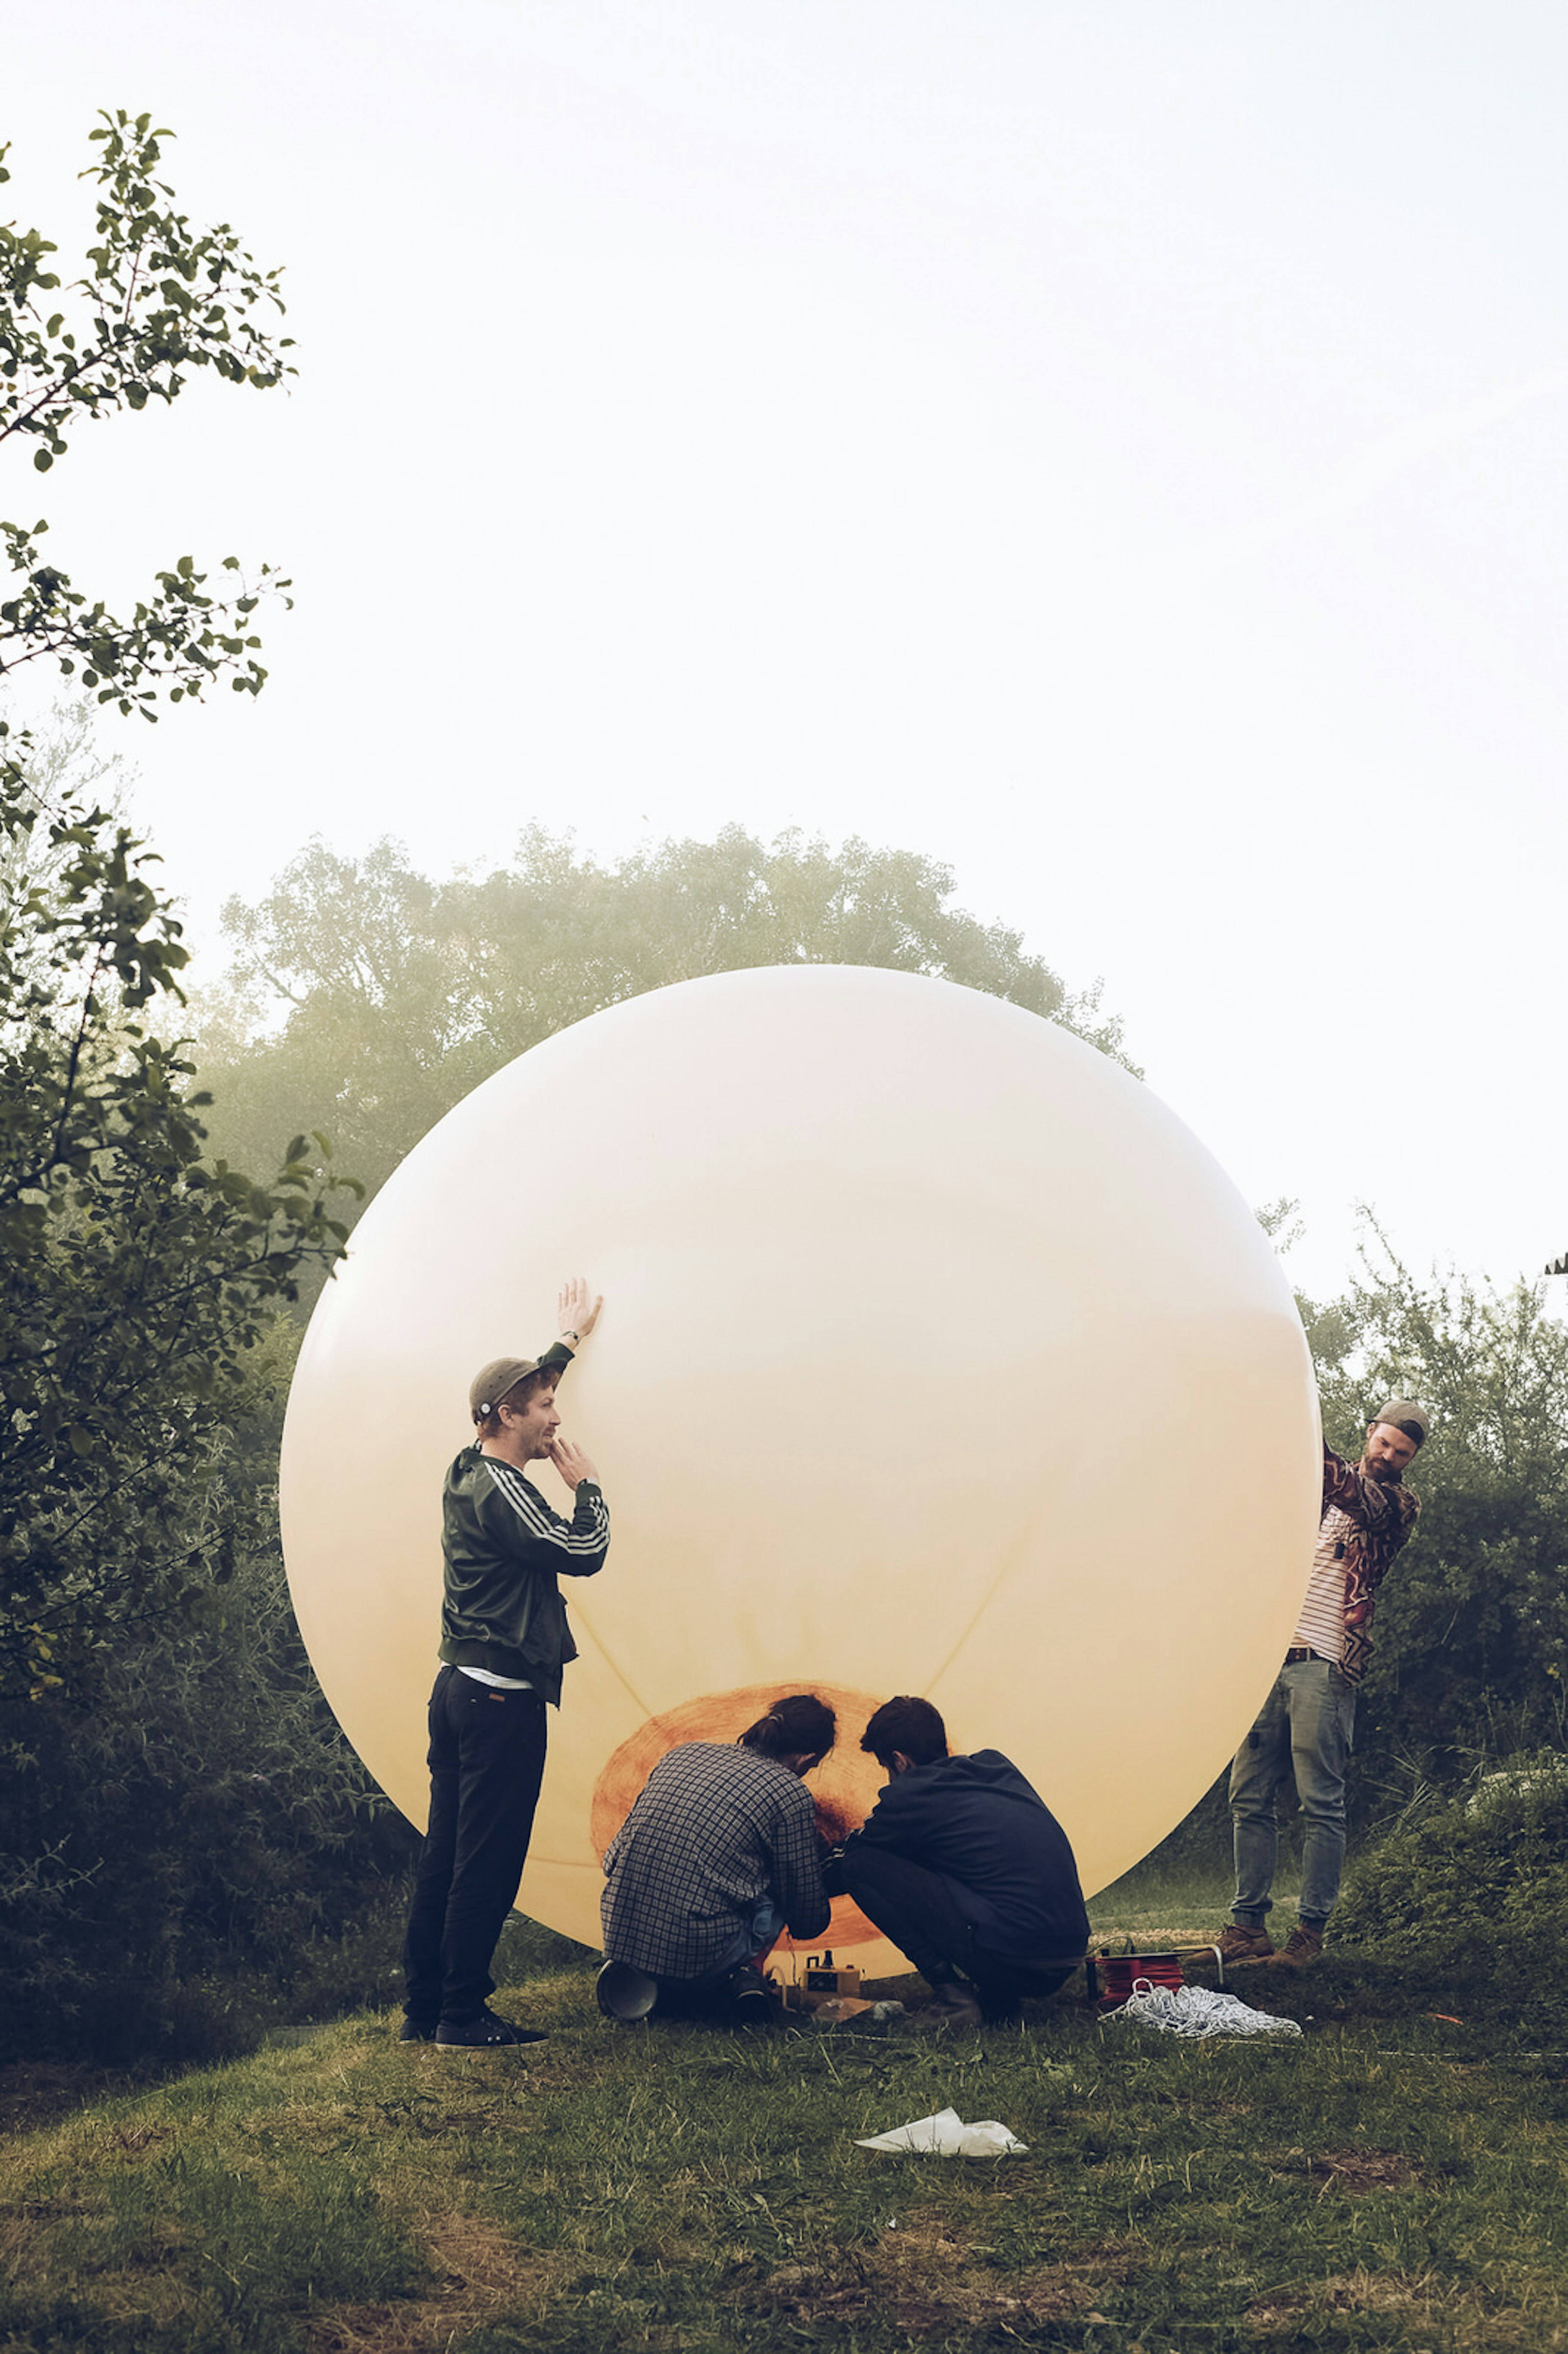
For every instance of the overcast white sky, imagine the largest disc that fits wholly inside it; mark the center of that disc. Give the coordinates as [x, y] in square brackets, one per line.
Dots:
[1115, 448]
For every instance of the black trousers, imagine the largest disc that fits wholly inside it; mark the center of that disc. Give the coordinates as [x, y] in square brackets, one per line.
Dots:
[487, 1762]
[915, 1910]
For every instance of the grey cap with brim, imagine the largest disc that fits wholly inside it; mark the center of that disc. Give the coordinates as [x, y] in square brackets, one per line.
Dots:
[491, 1384]
[1403, 1414]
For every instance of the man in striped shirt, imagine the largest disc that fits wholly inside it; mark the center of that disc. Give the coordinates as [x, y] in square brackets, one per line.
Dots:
[1309, 1718]
[504, 1642]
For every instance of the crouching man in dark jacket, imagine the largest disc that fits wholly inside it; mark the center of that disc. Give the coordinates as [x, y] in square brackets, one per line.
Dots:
[963, 1867]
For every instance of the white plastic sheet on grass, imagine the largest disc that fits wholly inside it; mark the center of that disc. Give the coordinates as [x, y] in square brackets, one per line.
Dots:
[947, 2135]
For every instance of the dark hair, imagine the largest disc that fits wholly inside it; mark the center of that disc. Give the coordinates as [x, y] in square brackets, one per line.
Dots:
[517, 1397]
[801, 1725]
[909, 1725]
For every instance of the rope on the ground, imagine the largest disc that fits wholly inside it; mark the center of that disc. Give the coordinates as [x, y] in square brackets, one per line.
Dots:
[1196, 2011]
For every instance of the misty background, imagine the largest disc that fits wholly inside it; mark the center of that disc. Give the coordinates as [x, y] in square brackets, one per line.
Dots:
[1113, 452]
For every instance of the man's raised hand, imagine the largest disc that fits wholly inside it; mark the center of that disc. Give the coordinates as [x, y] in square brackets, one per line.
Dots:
[578, 1313]
[571, 1462]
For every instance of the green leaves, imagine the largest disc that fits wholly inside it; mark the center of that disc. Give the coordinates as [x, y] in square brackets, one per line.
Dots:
[176, 644]
[401, 994]
[1472, 1624]
[136, 1274]
[160, 300]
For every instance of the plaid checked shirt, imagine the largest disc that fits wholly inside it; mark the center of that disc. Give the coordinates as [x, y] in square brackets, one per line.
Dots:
[715, 1828]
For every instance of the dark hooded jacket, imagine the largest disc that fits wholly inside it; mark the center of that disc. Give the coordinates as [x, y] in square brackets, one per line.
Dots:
[982, 1829]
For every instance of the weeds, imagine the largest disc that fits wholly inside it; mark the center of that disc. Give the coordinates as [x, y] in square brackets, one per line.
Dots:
[1479, 1885]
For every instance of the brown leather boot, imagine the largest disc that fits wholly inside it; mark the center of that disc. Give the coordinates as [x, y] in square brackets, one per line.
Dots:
[1239, 1943]
[1300, 1949]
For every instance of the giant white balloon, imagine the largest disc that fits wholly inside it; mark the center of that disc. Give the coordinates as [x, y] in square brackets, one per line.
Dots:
[937, 1357]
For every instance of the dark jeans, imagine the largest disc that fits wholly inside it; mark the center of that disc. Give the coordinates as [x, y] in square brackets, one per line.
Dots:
[915, 1911]
[487, 1761]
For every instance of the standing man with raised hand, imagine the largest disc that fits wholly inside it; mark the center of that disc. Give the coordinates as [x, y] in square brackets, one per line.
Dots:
[505, 1641]
[1309, 1718]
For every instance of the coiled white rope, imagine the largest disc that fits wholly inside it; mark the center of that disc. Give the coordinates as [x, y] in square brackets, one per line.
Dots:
[1196, 2011]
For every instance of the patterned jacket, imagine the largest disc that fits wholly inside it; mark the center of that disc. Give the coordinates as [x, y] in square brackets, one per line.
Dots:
[1381, 1516]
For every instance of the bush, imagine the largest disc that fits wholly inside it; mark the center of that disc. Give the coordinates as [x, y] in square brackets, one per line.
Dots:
[1472, 1626]
[194, 1854]
[1478, 1885]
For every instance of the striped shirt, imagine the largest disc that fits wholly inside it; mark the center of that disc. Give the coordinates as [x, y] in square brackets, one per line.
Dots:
[1321, 1626]
[581, 1544]
[1375, 1519]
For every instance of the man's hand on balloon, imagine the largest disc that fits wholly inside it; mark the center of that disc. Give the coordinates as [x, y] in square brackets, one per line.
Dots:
[577, 1312]
[571, 1462]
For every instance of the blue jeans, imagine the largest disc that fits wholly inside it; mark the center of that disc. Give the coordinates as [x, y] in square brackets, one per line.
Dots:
[709, 1995]
[763, 1929]
[1304, 1728]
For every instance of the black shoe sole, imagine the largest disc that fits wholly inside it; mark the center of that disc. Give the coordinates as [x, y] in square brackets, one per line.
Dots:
[499, 2044]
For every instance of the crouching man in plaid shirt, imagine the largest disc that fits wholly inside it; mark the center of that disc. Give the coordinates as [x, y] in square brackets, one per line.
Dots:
[718, 1855]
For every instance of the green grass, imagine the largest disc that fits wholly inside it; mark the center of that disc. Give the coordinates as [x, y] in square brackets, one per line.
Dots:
[1166, 1908]
[1390, 2180]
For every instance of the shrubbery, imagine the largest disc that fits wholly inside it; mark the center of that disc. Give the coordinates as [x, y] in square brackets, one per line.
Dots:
[1478, 1885]
[1471, 1655]
[192, 1855]
[188, 1846]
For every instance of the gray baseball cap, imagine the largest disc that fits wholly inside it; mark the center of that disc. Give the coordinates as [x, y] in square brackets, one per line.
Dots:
[491, 1384]
[1403, 1414]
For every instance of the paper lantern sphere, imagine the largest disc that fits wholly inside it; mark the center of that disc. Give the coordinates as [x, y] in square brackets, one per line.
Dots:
[936, 1357]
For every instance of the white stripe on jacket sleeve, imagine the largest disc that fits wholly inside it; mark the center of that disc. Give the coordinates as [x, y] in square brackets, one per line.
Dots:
[537, 1518]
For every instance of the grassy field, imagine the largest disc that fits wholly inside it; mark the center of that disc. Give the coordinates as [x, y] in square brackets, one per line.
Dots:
[1392, 2178]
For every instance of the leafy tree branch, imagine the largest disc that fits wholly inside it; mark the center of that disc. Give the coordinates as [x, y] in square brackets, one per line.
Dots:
[159, 299]
[139, 1276]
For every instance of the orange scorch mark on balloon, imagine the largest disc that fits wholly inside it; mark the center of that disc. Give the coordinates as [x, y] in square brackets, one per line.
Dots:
[844, 1787]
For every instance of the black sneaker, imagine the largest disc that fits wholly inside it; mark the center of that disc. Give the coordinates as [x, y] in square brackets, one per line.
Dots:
[417, 2030]
[953, 2004]
[485, 2033]
[751, 1999]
